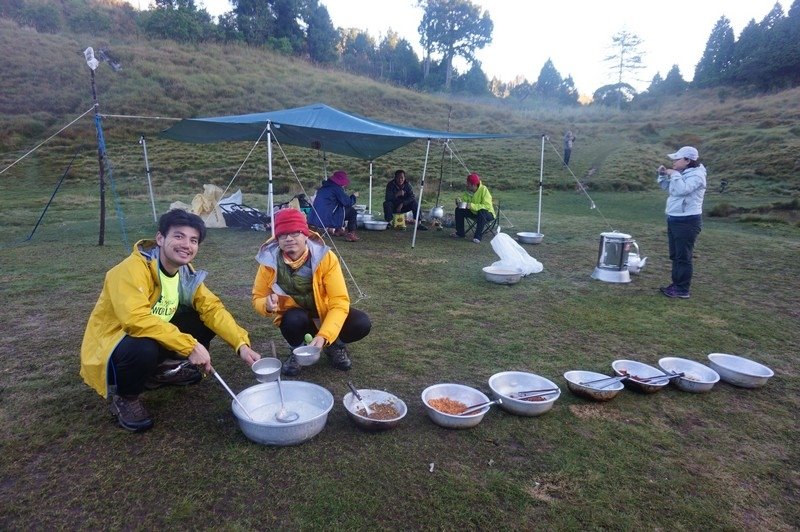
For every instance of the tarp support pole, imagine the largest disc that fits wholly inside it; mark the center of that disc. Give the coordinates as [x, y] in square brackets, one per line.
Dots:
[370, 187]
[270, 198]
[143, 142]
[421, 189]
[541, 177]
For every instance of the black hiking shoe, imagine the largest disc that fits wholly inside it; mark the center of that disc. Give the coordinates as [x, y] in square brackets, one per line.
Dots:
[173, 373]
[291, 367]
[130, 413]
[339, 356]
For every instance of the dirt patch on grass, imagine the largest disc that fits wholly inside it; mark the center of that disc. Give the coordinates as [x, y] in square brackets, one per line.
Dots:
[550, 487]
[596, 412]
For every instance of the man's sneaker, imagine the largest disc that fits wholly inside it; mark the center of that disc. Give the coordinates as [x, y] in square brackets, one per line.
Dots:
[476, 240]
[339, 356]
[172, 374]
[130, 413]
[674, 292]
[291, 366]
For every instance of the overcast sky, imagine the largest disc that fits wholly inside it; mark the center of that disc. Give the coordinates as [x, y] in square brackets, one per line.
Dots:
[575, 35]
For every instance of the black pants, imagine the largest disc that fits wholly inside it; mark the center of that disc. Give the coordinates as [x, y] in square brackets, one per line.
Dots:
[682, 232]
[350, 217]
[567, 154]
[392, 207]
[482, 218]
[296, 322]
[136, 359]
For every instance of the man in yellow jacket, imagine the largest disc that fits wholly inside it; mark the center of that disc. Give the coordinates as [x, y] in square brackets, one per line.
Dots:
[154, 320]
[300, 284]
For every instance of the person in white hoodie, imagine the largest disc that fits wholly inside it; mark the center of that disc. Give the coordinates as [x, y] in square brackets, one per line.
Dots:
[686, 183]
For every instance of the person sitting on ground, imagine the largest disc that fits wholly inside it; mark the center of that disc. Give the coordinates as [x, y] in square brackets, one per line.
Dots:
[478, 207]
[333, 208]
[299, 283]
[154, 320]
[399, 198]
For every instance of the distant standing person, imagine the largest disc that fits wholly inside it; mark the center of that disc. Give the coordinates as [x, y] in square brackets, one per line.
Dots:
[686, 183]
[569, 138]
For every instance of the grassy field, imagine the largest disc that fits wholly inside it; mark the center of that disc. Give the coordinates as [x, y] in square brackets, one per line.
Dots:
[723, 460]
[726, 459]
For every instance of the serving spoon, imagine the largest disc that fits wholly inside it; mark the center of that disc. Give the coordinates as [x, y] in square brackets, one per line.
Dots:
[474, 408]
[357, 395]
[283, 415]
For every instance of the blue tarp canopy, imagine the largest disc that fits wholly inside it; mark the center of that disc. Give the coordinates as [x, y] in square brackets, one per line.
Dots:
[316, 126]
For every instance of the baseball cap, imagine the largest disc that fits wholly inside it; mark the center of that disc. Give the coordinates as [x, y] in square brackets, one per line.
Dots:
[687, 152]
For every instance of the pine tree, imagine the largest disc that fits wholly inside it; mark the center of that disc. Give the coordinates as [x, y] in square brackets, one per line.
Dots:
[716, 60]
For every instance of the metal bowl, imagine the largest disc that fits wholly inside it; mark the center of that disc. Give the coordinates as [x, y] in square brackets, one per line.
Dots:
[638, 369]
[505, 383]
[376, 225]
[530, 238]
[576, 377]
[502, 275]
[740, 371]
[307, 355]
[456, 392]
[267, 369]
[697, 377]
[360, 207]
[462, 204]
[262, 401]
[373, 397]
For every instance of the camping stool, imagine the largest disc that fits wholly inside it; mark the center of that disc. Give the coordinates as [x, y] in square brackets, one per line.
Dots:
[492, 226]
[399, 221]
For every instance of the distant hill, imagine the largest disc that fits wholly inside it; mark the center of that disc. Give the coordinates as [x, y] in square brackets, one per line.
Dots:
[46, 84]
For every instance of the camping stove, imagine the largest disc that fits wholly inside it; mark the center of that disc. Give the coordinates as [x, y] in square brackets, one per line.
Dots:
[612, 258]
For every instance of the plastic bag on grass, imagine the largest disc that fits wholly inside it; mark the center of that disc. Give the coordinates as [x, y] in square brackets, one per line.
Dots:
[512, 255]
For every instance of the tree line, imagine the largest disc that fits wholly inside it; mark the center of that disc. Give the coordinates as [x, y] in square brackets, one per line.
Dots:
[766, 55]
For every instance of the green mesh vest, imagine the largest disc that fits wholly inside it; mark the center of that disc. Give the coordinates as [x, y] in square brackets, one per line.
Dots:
[298, 284]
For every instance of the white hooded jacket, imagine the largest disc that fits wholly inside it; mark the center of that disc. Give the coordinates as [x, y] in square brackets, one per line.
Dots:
[686, 191]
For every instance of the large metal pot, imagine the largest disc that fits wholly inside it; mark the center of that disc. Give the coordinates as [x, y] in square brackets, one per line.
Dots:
[262, 401]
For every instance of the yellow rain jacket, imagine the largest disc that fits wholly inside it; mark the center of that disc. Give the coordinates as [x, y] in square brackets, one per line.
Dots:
[130, 290]
[479, 200]
[330, 291]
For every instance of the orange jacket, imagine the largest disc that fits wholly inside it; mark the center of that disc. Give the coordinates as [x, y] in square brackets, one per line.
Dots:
[330, 290]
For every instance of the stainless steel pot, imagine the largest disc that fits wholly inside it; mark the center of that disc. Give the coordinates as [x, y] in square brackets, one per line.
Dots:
[311, 401]
[437, 212]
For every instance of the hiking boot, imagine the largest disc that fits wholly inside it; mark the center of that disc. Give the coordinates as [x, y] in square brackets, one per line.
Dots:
[673, 291]
[351, 237]
[174, 374]
[340, 232]
[339, 356]
[130, 413]
[291, 367]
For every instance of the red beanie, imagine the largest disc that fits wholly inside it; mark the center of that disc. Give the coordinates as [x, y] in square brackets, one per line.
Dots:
[340, 178]
[474, 179]
[290, 221]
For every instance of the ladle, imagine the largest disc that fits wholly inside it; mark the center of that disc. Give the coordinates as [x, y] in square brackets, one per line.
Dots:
[649, 380]
[222, 382]
[611, 380]
[357, 395]
[283, 415]
[472, 409]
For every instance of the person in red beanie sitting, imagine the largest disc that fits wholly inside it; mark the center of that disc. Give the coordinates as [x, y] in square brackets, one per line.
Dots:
[477, 205]
[300, 285]
[333, 208]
